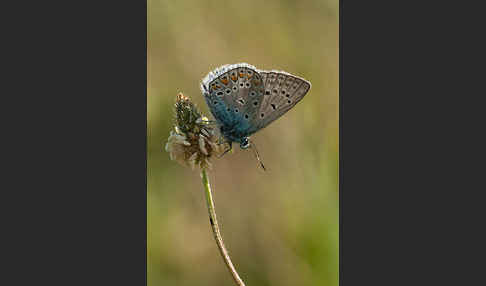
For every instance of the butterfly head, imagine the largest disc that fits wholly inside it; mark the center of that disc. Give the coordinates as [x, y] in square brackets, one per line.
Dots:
[245, 143]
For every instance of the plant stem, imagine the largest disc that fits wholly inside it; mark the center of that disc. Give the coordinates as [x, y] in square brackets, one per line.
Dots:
[215, 228]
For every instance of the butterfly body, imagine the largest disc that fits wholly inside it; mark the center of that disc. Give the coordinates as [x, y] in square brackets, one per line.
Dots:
[244, 100]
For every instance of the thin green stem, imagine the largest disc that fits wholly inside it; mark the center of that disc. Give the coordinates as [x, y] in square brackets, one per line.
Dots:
[215, 228]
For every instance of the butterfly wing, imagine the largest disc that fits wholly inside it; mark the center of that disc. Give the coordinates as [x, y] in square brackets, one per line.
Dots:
[282, 91]
[215, 87]
[234, 94]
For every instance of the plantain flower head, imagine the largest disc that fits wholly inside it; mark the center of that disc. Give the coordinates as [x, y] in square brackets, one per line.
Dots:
[193, 141]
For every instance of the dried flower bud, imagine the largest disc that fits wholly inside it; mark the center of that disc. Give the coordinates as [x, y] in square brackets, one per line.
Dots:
[194, 140]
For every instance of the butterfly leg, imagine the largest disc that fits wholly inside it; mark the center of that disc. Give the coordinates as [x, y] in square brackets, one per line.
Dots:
[227, 150]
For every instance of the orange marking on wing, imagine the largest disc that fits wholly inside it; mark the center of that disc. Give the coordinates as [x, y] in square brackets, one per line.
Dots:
[242, 74]
[233, 77]
[224, 81]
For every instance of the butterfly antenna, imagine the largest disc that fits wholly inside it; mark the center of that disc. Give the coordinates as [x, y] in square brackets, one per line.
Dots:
[255, 151]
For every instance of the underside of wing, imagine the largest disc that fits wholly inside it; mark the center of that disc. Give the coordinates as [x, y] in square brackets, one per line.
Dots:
[282, 91]
[234, 94]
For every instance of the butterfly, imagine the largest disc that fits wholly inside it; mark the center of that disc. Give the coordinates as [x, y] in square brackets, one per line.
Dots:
[244, 100]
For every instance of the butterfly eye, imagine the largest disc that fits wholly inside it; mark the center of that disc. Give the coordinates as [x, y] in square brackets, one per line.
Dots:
[267, 92]
[262, 115]
[236, 110]
[252, 93]
[219, 93]
[245, 143]
[228, 109]
[235, 87]
[288, 95]
[275, 90]
[289, 101]
[283, 91]
[247, 84]
[246, 116]
[241, 84]
[228, 91]
[255, 103]
[215, 102]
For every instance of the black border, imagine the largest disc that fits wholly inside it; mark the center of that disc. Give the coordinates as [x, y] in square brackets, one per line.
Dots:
[78, 202]
[404, 69]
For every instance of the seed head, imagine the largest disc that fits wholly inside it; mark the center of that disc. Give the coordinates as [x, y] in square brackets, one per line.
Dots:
[193, 141]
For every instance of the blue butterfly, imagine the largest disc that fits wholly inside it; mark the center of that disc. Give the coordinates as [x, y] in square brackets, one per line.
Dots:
[244, 99]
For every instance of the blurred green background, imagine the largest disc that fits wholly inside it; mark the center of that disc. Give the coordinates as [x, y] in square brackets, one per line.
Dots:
[281, 227]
